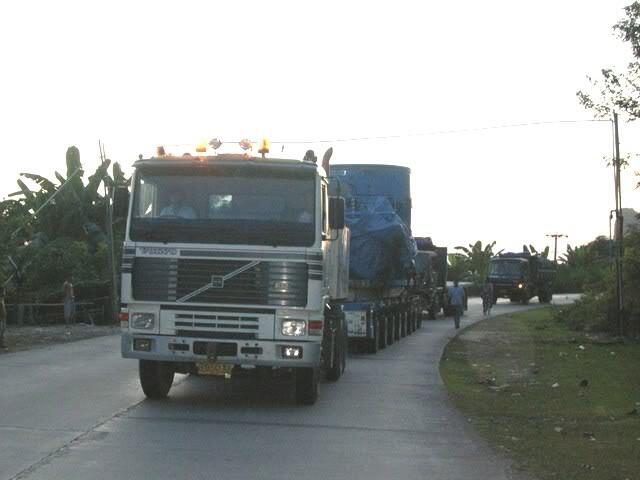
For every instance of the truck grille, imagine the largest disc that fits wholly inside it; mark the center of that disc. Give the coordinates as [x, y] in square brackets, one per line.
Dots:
[279, 283]
[216, 326]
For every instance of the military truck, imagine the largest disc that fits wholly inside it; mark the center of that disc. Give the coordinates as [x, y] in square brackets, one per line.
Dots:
[521, 276]
[234, 263]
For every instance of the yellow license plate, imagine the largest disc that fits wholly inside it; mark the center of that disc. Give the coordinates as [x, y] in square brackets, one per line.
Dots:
[214, 368]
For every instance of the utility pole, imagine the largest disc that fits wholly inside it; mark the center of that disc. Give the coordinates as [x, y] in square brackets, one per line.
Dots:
[108, 196]
[555, 237]
[619, 229]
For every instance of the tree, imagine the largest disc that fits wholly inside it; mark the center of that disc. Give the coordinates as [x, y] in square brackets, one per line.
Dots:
[478, 258]
[533, 251]
[67, 235]
[458, 268]
[619, 91]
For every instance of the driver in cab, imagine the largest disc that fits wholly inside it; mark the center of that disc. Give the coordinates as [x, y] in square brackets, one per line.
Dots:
[177, 208]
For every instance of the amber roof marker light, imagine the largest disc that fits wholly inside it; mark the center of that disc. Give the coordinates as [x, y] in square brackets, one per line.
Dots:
[264, 147]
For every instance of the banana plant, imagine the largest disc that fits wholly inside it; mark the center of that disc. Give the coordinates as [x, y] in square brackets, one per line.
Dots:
[69, 207]
[478, 257]
[533, 251]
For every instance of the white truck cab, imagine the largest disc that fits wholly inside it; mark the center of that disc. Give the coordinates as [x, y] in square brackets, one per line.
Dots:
[233, 261]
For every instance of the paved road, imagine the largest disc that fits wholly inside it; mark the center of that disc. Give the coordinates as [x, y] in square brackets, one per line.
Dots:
[75, 411]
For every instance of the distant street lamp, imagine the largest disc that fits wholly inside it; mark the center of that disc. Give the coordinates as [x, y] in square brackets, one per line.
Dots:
[556, 236]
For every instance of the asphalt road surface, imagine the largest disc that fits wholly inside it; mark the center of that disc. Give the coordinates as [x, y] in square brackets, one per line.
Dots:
[76, 411]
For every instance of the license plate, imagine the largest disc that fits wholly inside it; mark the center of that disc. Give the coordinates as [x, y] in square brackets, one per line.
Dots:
[214, 368]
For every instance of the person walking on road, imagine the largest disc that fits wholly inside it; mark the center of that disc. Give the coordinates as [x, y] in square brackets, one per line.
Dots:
[69, 303]
[3, 320]
[456, 299]
[487, 297]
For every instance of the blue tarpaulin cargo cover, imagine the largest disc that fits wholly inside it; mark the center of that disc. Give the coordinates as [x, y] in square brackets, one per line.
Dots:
[382, 248]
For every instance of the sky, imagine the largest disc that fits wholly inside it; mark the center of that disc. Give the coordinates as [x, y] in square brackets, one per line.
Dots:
[439, 77]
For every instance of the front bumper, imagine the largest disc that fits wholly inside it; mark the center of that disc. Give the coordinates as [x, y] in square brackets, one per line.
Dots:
[235, 352]
[511, 291]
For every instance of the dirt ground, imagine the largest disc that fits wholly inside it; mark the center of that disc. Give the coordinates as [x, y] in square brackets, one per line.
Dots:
[20, 338]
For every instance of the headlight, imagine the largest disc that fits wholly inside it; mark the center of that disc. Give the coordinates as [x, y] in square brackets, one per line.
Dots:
[294, 328]
[521, 286]
[143, 321]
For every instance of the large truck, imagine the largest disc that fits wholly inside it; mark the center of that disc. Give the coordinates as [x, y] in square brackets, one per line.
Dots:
[234, 263]
[382, 306]
[431, 277]
[522, 276]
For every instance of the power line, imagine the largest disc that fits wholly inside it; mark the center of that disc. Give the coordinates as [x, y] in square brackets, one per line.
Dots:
[443, 132]
[413, 135]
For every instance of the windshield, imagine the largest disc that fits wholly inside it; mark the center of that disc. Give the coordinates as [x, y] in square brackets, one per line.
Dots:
[248, 207]
[508, 268]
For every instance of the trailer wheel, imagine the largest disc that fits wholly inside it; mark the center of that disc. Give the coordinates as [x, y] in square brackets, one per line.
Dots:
[374, 343]
[391, 328]
[414, 319]
[307, 380]
[156, 378]
[382, 333]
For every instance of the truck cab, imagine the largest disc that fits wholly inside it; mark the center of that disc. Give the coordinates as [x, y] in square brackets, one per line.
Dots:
[521, 276]
[232, 262]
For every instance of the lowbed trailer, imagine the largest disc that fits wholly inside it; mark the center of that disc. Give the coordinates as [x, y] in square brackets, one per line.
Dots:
[382, 305]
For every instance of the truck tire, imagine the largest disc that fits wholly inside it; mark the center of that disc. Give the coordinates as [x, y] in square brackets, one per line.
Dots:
[412, 320]
[382, 335]
[391, 328]
[374, 343]
[545, 297]
[307, 380]
[338, 362]
[156, 378]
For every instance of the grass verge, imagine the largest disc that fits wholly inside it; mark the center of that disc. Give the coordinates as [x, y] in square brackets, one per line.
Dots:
[564, 405]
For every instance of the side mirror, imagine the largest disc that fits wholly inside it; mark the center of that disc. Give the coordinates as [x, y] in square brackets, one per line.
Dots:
[120, 202]
[336, 213]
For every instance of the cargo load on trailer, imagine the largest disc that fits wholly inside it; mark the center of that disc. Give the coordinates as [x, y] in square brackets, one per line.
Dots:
[381, 307]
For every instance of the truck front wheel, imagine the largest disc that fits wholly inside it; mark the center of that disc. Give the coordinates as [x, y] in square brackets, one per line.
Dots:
[156, 378]
[339, 358]
[307, 385]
